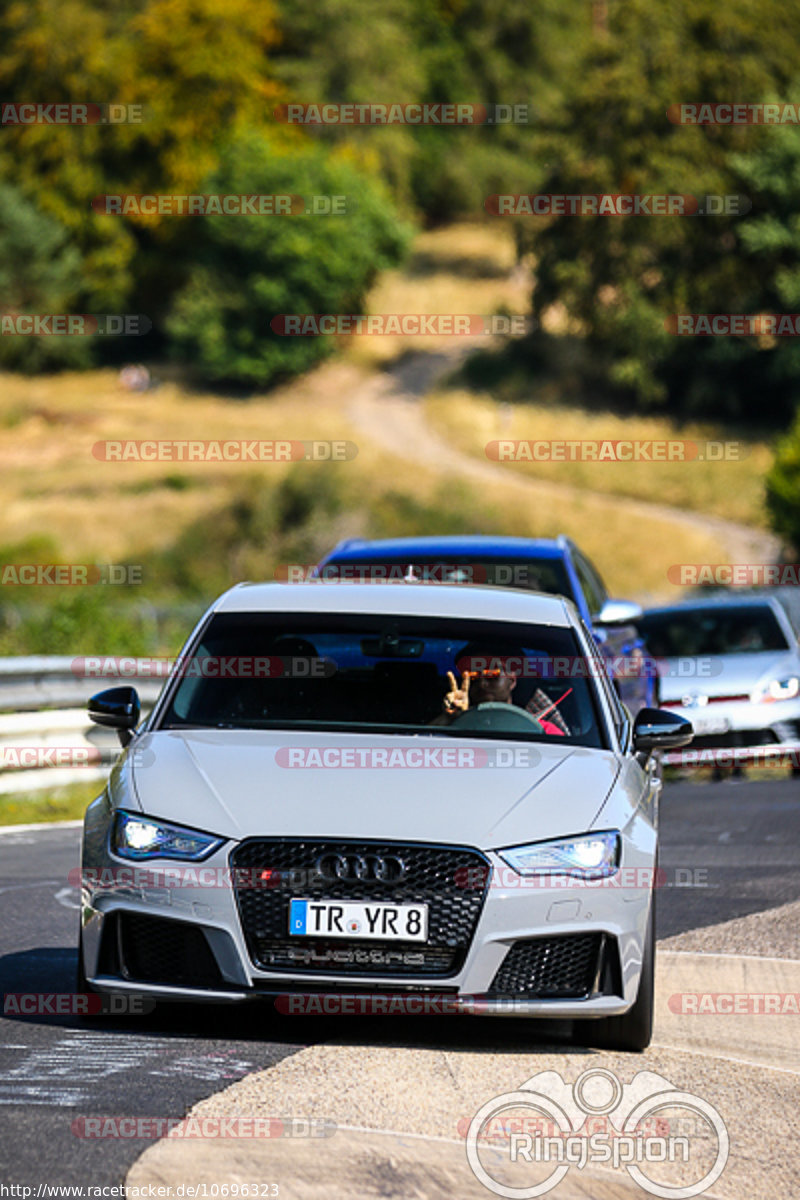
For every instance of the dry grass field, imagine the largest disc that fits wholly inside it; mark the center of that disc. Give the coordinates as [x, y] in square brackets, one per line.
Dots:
[55, 494]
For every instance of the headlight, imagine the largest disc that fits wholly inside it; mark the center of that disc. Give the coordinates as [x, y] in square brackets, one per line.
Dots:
[777, 689]
[141, 837]
[593, 856]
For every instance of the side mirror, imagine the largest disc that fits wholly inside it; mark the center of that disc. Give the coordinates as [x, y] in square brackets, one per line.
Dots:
[618, 612]
[658, 729]
[117, 708]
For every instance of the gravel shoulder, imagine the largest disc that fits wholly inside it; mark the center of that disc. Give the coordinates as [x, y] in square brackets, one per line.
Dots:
[401, 1095]
[770, 934]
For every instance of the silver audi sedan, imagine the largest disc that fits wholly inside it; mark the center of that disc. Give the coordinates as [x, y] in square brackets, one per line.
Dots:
[368, 798]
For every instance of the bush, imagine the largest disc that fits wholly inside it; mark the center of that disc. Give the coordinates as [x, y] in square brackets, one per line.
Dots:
[248, 269]
[39, 273]
[783, 487]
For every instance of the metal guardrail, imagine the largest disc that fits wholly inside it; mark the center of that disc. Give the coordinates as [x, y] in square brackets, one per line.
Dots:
[55, 681]
[46, 736]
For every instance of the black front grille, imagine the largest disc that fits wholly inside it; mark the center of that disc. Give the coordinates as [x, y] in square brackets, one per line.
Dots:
[548, 968]
[155, 950]
[451, 881]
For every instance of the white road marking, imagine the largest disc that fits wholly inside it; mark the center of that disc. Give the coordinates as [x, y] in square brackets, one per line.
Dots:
[41, 826]
[65, 1072]
[18, 887]
[67, 897]
[743, 1062]
[715, 954]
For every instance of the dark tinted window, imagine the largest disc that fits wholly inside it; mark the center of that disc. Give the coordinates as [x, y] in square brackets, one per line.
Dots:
[593, 590]
[534, 575]
[746, 629]
[355, 672]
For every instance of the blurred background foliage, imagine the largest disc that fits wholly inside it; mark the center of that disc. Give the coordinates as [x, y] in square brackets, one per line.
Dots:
[597, 76]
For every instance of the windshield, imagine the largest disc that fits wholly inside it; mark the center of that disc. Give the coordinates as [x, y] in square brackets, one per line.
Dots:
[745, 629]
[534, 575]
[396, 674]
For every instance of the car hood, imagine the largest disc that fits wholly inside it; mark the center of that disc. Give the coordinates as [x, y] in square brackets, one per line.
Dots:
[232, 783]
[723, 675]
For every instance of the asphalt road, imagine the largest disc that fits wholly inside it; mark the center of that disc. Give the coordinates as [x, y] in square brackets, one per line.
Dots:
[727, 850]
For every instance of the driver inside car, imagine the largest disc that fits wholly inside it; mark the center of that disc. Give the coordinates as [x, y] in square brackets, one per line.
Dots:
[493, 684]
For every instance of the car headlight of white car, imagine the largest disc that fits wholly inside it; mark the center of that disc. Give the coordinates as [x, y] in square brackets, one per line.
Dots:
[593, 856]
[777, 689]
[140, 838]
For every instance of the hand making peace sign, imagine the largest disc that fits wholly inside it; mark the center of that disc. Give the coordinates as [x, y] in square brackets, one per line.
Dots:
[457, 699]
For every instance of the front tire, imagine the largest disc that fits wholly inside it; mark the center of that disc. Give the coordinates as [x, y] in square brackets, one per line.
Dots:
[632, 1030]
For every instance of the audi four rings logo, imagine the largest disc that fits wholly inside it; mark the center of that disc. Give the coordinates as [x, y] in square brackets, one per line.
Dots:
[361, 868]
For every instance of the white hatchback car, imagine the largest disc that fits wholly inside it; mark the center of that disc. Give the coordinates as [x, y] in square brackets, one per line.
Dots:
[350, 796]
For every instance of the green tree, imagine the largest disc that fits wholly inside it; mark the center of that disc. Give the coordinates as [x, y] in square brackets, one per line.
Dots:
[39, 273]
[783, 487]
[615, 280]
[435, 51]
[246, 270]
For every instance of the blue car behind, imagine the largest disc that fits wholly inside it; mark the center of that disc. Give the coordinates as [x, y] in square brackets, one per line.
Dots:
[552, 565]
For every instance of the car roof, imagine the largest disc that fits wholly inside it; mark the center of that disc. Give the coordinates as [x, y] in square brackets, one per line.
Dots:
[400, 599]
[359, 549]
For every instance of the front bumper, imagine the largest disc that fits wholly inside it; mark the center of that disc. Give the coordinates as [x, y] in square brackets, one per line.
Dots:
[552, 947]
[738, 731]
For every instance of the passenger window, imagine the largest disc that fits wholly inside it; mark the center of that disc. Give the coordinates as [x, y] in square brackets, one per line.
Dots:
[592, 589]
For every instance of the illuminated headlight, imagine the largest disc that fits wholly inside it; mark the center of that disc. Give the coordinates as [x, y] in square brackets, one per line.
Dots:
[777, 689]
[141, 837]
[593, 856]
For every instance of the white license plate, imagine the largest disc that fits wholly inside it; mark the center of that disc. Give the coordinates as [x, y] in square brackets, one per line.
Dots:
[358, 919]
[706, 725]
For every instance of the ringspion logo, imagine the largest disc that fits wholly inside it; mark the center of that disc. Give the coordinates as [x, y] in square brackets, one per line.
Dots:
[559, 1130]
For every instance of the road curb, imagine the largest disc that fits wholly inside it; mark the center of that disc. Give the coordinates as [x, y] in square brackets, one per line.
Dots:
[77, 824]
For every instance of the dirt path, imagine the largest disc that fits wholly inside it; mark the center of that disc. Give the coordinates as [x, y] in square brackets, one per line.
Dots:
[385, 408]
